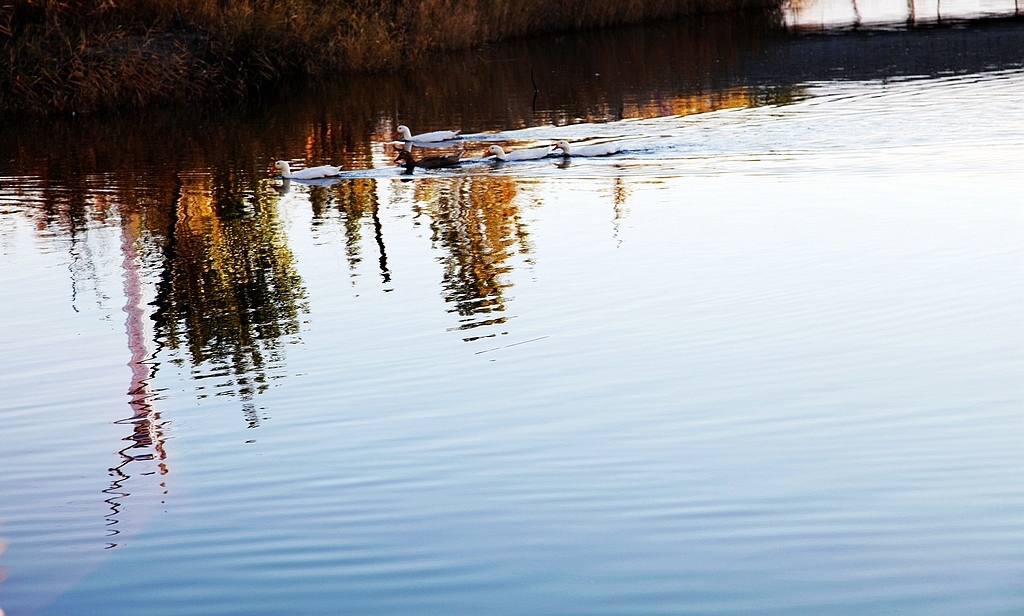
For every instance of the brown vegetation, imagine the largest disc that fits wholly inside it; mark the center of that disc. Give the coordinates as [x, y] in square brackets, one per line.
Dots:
[83, 55]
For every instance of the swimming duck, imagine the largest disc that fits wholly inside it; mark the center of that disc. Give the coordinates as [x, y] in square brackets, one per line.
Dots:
[309, 173]
[526, 154]
[598, 149]
[437, 135]
[428, 162]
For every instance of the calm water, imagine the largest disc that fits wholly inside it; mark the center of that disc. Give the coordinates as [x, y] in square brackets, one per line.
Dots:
[769, 359]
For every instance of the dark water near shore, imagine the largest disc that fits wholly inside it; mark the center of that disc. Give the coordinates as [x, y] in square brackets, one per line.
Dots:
[767, 359]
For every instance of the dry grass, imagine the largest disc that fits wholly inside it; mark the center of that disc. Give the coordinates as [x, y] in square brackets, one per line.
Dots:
[85, 55]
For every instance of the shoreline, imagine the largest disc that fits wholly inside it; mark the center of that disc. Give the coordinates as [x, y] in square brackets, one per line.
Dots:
[94, 57]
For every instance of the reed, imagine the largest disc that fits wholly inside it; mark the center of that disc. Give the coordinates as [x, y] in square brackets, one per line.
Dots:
[87, 55]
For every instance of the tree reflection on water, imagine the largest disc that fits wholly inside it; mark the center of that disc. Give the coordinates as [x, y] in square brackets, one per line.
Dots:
[229, 293]
[356, 199]
[475, 221]
[209, 282]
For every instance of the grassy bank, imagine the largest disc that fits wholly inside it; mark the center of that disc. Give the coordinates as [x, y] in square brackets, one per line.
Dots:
[87, 55]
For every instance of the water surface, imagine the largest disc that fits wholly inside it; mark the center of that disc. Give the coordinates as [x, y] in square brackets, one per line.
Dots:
[767, 359]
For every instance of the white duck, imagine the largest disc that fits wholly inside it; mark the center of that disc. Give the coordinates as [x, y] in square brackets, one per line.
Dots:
[598, 149]
[526, 154]
[437, 135]
[309, 173]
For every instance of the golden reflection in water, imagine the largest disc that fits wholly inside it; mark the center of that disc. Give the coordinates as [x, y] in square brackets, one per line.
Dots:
[356, 199]
[737, 97]
[591, 76]
[475, 221]
[349, 202]
[229, 294]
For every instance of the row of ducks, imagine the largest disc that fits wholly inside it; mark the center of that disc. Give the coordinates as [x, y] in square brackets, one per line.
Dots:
[499, 153]
[452, 160]
[598, 149]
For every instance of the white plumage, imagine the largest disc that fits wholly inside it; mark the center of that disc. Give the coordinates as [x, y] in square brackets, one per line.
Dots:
[598, 149]
[309, 173]
[525, 154]
[437, 135]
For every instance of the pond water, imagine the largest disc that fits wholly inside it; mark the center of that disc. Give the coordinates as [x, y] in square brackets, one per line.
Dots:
[768, 359]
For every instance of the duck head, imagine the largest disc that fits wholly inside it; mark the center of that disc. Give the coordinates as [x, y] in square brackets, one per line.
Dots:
[406, 157]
